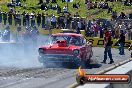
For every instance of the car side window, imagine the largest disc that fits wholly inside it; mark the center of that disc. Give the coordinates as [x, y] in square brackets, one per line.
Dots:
[83, 41]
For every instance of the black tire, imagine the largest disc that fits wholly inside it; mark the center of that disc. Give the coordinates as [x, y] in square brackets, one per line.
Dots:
[76, 64]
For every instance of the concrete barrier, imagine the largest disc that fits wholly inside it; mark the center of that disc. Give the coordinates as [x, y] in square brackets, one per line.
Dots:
[122, 69]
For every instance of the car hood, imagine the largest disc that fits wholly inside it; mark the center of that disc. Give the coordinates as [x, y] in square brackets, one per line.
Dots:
[55, 49]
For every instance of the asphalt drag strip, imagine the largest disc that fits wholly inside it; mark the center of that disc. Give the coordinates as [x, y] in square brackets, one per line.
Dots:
[12, 76]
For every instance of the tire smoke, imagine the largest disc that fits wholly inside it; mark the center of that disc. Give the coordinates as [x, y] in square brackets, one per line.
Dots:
[21, 54]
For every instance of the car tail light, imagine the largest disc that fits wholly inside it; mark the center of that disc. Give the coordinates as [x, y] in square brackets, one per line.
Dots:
[76, 52]
[41, 51]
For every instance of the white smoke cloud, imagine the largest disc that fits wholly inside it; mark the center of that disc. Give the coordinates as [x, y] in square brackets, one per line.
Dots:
[16, 55]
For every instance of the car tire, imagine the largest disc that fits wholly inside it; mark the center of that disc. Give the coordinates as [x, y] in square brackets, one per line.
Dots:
[76, 64]
[85, 64]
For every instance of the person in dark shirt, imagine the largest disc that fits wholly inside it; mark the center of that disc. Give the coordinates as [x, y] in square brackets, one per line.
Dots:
[38, 19]
[10, 18]
[121, 43]
[24, 18]
[4, 17]
[27, 19]
[43, 20]
[1, 16]
[107, 46]
[122, 15]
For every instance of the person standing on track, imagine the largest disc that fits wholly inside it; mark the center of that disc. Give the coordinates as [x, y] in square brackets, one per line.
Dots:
[121, 43]
[107, 46]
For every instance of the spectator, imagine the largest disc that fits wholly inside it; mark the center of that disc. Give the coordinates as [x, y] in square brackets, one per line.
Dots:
[79, 27]
[18, 18]
[5, 17]
[27, 19]
[15, 19]
[53, 21]
[1, 16]
[38, 19]
[95, 29]
[122, 15]
[69, 19]
[110, 9]
[107, 46]
[88, 28]
[76, 5]
[65, 9]
[44, 6]
[129, 28]
[32, 17]
[101, 29]
[122, 26]
[18, 34]
[116, 34]
[18, 2]
[47, 20]
[6, 34]
[58, 10]
[24, 18]
[10, 18]
[43, 20]
[121, 43]
[114, 15]
[65, 22]
[76, 14]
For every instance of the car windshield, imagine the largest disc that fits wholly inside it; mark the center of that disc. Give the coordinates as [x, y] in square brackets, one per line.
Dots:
[74, 40]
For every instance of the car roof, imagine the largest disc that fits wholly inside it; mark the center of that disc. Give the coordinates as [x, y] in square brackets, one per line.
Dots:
[68, 34]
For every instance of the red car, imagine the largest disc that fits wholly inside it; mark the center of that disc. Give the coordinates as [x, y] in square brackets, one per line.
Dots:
[67, 49]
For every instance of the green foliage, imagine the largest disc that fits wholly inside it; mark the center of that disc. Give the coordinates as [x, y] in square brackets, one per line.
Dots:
[31, 5]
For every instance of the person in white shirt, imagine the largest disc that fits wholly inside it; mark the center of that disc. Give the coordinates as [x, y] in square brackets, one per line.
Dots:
[53, 21]
[122, 27]
[65, 9]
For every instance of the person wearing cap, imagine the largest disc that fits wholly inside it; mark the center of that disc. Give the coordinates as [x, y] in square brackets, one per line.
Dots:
[107, 46]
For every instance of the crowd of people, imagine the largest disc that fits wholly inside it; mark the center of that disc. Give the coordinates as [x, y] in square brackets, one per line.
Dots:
[93, 28]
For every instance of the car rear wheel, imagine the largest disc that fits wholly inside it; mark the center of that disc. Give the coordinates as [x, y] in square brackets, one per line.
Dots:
[76, 65]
